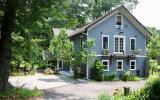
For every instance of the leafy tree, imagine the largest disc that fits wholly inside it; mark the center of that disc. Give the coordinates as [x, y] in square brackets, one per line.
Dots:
[153, 48]
[61, 47]
[83, 56]
[97, 8]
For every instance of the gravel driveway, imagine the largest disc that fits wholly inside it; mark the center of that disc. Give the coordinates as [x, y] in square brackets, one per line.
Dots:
[87, 91]
[40, 81]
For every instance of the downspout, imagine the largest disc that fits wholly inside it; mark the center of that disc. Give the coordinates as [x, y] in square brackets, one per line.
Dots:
[87, 69]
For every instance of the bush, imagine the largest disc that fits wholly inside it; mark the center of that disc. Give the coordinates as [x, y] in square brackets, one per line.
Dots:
[129, 77]
[18, 93]
[17, 73]
[109, 77]
[32, 72]
[97, 71]
[105, 96]
[48, 71]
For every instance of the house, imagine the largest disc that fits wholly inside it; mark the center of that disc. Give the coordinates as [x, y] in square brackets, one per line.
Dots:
[120, 42]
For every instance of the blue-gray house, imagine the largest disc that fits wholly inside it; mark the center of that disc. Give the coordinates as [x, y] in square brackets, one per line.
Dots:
[121, 35]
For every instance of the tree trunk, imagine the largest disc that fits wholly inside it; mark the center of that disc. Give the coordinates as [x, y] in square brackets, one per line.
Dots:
[5, 41]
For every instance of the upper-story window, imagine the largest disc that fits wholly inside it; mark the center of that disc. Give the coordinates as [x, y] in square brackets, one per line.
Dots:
[119, 20]
[132, 44]
[81, 42]
[119, 44]
[105, 42]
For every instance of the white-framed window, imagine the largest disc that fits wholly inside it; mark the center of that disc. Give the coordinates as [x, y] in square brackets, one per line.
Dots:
[132, 44]
[132, 64]
[119, 65]
[119, 44]
[105, 42]
[60, 64]
[105, 65]
[81, 42]
[119, 18]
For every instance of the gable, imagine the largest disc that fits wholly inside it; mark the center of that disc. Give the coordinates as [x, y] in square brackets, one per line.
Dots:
[124, 12]
[127, 15]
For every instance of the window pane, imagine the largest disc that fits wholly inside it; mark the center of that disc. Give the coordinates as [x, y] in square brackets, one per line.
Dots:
[116, 44]
[121, 44]
[105, 65]
[119, 67]
[132, 44]
[132, 64]
[105, 42]
[119, 20]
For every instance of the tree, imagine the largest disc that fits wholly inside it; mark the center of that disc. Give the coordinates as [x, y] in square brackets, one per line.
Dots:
[97, 8]
[83, 56]
[61, 47]
[5, 42]
[153, 48]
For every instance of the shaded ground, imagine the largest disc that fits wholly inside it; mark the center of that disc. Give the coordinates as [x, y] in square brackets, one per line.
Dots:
[86, 91]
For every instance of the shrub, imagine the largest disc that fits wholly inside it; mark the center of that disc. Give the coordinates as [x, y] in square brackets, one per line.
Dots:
[129, 77]
[152, 88]
[13, 93]
[97, 71]
[109, 77]
[105, 96]
[48, 71]
[32, 72]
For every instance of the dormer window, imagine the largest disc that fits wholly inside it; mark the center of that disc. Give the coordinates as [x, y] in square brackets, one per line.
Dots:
[119, 20]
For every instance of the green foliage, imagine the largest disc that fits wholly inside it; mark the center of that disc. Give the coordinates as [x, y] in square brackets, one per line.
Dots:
[83, 56]
[128, 76]
[105, 96]
[58, 44]
[97, 71]
[18, 93]
[48, 71]
[109, 77]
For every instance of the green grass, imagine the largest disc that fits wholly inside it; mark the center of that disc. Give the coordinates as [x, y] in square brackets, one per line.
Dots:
[19, 93]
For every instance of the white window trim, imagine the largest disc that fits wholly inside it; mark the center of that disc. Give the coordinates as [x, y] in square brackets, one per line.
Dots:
[58, 63]
[102, 41]
[124, 43]
[130, 43]
[121, 20]
[134, 66]
[108, 65]
[117, 65]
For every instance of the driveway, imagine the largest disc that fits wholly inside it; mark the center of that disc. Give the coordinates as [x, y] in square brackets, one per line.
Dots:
[40, 81]
[87, 91]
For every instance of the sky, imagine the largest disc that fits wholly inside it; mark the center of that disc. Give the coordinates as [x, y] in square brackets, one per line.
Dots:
[148, 13]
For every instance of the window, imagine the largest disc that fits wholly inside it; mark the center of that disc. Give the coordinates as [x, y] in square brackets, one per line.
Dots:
[81, 42]
[132, 64]
[132, 44]
[119, 21]
[105, 65]
[119, 44]
[105, 42]
[119, 65]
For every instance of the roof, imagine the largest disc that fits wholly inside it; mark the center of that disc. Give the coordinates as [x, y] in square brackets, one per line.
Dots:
[121, 9]
[56, 31]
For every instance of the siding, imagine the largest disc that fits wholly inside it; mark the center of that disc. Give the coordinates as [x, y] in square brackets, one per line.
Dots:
[108, 27]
